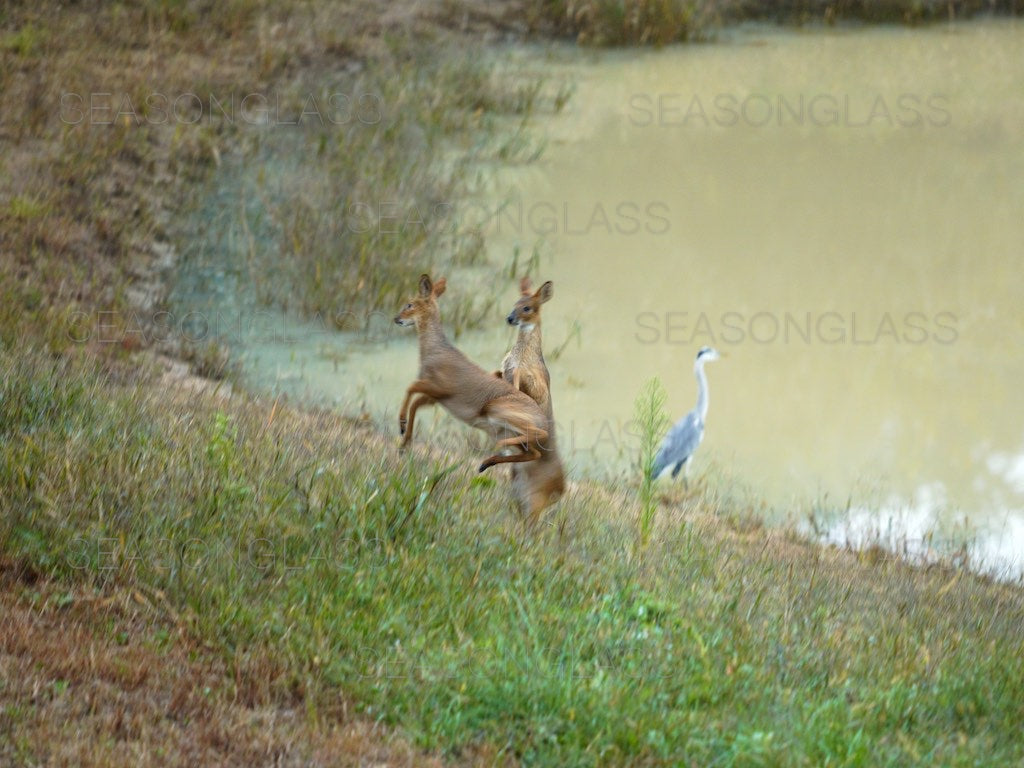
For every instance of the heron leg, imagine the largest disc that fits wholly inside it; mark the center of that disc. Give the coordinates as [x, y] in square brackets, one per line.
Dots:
[676, 468]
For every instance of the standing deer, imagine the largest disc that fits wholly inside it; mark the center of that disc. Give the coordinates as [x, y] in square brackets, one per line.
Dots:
[464, 389]
[541, 482]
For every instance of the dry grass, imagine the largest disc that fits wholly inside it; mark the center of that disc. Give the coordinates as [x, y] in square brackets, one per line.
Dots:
[101, 678]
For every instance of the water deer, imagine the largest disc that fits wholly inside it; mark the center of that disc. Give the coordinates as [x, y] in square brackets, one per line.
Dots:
[464, 389]
[540, 483]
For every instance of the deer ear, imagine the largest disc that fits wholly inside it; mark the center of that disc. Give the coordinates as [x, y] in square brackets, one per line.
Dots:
[425, 286]
[524, 286]
[439, 286]
[546, 291]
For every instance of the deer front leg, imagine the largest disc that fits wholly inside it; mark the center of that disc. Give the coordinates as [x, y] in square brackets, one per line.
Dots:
[416, 404]
[500, 373]
[418, 387]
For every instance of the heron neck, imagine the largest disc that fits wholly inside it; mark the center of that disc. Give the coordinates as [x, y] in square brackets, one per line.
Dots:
[702, 390]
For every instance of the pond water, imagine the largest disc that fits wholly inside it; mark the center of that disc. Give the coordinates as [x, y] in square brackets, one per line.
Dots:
[839, 211]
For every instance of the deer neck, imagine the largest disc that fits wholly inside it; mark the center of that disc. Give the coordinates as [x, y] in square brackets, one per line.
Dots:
[431, 335]
[528, 342]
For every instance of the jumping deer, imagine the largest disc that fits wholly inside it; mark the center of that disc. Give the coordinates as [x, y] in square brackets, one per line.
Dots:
[540, 483]
[464, 389]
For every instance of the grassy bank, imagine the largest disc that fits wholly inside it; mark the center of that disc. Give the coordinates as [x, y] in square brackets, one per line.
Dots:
[310, 549]
[190, 576]
[661, 22]
[354, 131]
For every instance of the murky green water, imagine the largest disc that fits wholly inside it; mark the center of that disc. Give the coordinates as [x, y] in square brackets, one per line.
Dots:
[839, 211]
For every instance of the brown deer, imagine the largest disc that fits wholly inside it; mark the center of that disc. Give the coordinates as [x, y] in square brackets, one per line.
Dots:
[540, 483]
[464, 389]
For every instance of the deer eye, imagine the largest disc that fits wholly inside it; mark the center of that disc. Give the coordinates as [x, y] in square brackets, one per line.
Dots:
[526, 310]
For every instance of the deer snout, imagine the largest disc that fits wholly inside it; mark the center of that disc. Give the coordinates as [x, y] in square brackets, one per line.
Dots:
[511, 318]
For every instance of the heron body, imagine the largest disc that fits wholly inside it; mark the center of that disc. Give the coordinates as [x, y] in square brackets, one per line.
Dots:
[683, 438]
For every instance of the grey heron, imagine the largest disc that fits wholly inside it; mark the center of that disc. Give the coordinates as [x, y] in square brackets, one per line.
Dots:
[682, 440]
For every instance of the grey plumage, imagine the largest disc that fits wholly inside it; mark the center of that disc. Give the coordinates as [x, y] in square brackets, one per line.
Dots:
[679, 444]
[682, 440]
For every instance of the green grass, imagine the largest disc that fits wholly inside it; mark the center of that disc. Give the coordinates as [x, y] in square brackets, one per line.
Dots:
[650, 421]
[397, 581]
[25, 42]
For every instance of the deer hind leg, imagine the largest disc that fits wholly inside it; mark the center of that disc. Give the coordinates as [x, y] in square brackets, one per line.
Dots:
[537, 504]
[520, 490]
[543, 493]
[530, 453]
[527, 438]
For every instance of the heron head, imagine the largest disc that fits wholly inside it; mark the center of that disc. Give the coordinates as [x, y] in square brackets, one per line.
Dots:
[707, 354]
[423, 303]
[526, 312]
